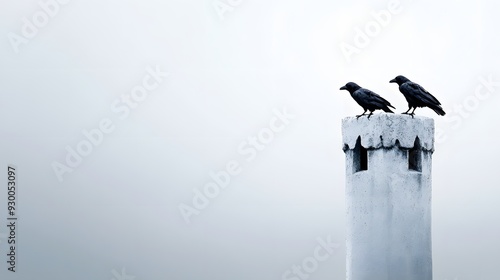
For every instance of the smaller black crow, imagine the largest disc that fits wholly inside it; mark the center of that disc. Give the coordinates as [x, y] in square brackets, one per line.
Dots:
[417, 96]
[367, 99]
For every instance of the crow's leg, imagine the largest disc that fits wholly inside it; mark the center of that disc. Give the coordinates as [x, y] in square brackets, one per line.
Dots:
[409, 108]
[357, 116]
[412, 114]
[371, 113]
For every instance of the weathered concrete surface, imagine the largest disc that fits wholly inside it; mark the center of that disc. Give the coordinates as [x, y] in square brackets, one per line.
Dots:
[382, 130]
[388, 205]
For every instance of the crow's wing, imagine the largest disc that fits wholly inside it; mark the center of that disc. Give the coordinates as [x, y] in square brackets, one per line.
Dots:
[366, 97]
[375, 98]
[420, 93]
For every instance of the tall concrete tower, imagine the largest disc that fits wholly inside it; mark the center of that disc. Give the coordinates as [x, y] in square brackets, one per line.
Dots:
[388, 196]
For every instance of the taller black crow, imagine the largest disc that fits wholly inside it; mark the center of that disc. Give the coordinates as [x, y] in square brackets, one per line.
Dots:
[417, 96]
[367, 99]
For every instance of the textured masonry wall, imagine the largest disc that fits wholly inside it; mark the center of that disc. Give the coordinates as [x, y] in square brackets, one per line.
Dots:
[388, 205]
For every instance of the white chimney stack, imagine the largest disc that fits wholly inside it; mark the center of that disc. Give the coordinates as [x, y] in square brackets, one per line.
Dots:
[388, 196]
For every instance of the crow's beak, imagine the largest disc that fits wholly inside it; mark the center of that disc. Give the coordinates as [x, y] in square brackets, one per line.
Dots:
[343, 88]
[392, 81]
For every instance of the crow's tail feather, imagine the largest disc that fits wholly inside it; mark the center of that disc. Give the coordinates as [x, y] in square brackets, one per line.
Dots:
[387, 110]
[438, 110]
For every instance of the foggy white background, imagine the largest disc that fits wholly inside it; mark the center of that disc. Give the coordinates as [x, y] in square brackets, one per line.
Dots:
[119, 209]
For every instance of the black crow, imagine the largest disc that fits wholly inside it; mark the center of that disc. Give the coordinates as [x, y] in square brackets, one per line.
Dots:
[417, 96]
[367, 99]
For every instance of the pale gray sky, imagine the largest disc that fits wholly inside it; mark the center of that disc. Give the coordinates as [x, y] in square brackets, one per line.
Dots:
[234, 73]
